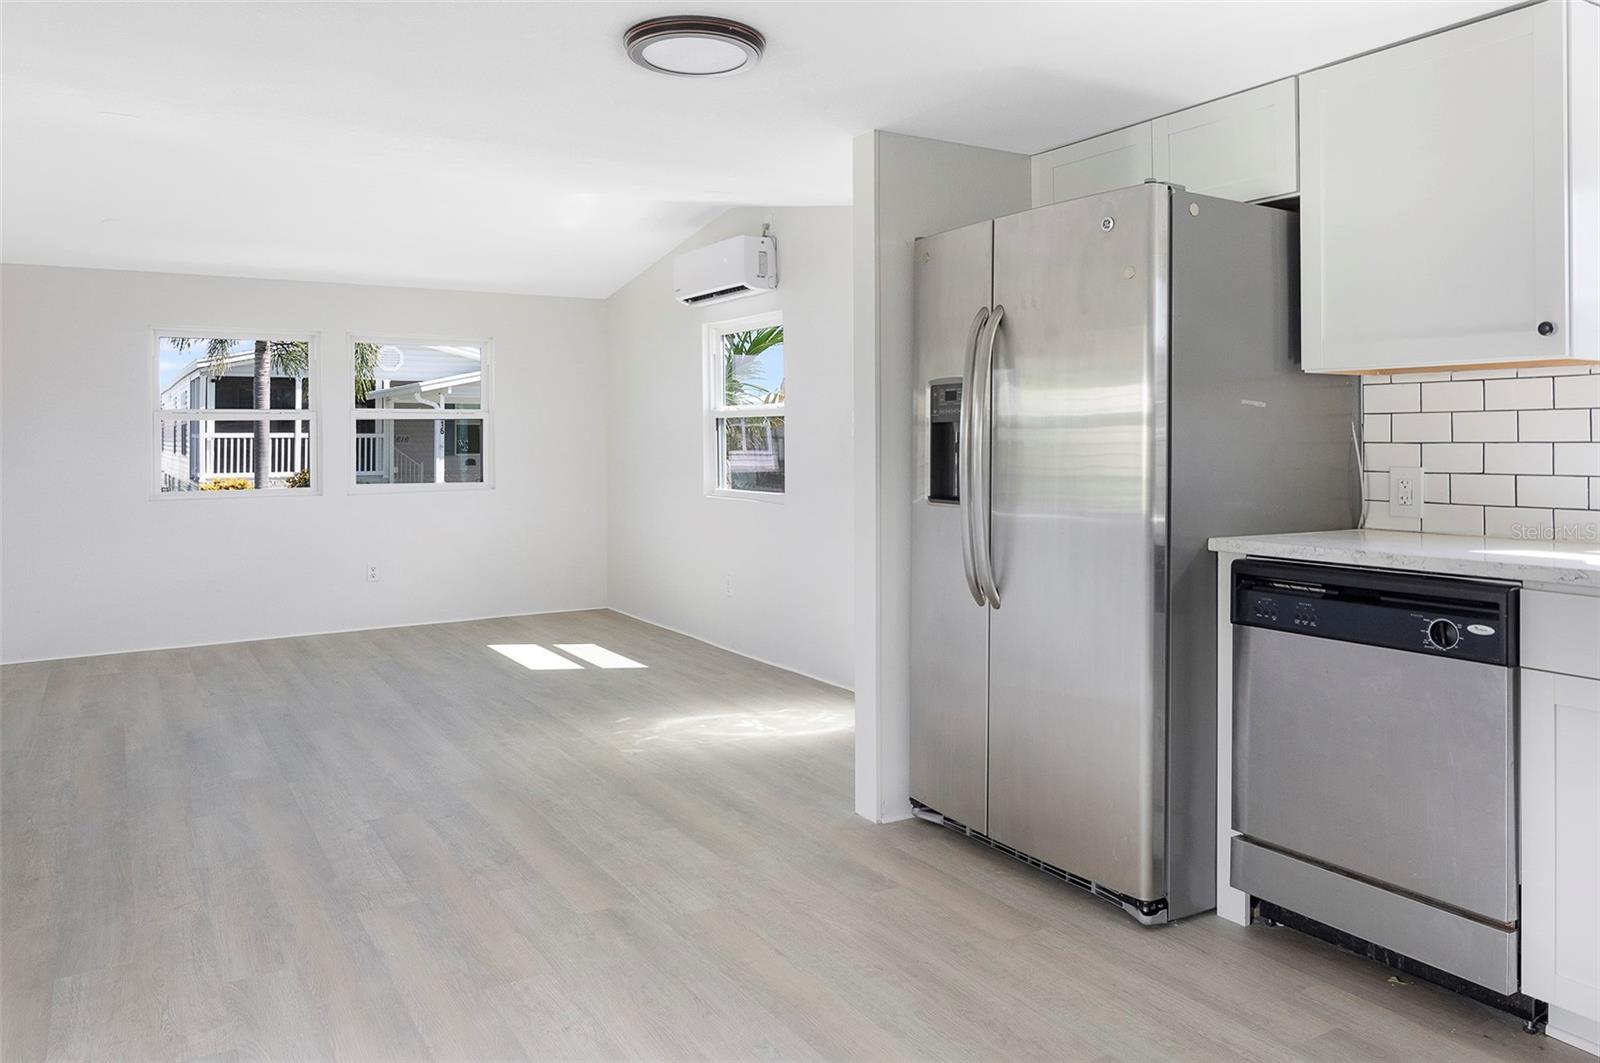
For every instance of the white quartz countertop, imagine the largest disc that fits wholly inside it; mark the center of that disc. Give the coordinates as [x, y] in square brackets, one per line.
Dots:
[1569, 564]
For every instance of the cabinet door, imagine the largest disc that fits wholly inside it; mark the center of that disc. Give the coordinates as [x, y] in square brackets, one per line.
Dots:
[1241, 147]
[1089, 167]
[1433, 200]
[1560, 749]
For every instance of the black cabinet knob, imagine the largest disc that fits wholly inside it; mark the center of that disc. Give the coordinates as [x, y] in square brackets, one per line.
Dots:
[1546, 327]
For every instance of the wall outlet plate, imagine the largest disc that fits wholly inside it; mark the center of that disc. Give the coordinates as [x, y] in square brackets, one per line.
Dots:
[1405, 491]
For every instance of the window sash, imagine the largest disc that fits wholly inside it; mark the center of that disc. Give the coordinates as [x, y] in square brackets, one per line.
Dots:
[717, 450]
[713, 354]
[172, 441]
[485, 442]
[313, 364]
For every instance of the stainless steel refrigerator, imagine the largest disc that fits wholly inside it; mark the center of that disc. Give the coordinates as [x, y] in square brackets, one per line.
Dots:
[1100, 386]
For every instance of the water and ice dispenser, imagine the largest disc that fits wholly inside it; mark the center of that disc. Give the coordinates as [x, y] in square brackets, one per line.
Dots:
[944, 439]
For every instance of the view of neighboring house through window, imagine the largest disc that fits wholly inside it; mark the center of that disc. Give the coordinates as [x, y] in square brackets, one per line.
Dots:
[422, 412]
[744, 406]
[223, 401]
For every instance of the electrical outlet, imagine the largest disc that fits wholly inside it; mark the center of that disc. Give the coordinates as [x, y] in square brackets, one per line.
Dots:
[728, 585]
[1405, 492]
[372, 572]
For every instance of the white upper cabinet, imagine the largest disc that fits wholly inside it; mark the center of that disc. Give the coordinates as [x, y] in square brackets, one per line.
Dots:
[1240, 147]
[1450, 214]
[1099, 164]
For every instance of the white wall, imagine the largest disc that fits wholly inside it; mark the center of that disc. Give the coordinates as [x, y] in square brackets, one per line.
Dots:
[672, 548]
[92, 564]
[905, 187]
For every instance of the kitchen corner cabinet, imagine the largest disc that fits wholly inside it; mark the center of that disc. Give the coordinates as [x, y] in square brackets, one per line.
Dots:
[1099, 164]
[1240, 147]
[1449, 206]
[1560, 790]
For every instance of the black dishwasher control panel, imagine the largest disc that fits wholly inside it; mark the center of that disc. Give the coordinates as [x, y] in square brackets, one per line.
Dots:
[1464, 619]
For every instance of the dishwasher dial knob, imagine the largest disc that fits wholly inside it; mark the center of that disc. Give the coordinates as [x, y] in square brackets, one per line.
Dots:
[1444, 634]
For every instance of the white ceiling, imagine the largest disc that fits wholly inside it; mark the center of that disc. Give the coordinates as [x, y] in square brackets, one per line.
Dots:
[512, 147]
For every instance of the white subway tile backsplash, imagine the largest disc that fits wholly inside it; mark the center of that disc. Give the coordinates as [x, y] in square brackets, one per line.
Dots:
[1537, 393]
[1556, 426]
[1493, 426]
[1446, 457]
[1578, 525]
[1420, 427]
[1510, 453]
[1577, 459]
[1575, 391]
[1382, 456]
[1504, 523]
[1519, 457]
[1391, 398]
[1452, 520]
[1453, 395]
[1484, 490]
[1559, 492]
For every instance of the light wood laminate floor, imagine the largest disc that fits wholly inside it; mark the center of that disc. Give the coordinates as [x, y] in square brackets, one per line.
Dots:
[402, 845]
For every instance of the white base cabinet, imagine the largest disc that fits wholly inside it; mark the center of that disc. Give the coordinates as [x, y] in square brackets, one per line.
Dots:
[1560, 798]
[1450, 198]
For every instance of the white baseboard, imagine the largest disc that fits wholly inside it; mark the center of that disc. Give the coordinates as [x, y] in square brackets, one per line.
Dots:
[308, 634]
[1575, 1030]
[729, 649]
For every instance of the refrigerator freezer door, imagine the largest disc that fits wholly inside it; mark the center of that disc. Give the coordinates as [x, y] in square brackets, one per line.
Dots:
[949, 630]
[1077, 647]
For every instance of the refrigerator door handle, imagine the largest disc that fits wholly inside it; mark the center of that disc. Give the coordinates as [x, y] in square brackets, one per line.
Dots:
[983, 439]
[964, 485]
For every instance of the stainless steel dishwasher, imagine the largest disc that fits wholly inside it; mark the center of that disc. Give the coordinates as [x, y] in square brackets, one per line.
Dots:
[1374, 771]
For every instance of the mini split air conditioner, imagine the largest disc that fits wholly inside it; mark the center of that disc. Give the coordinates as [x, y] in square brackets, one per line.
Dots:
[728, 269]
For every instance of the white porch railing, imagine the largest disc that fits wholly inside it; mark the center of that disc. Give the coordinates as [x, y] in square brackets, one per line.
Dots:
[370, 453]
[408, 470]
[233, 454]
[369, 456]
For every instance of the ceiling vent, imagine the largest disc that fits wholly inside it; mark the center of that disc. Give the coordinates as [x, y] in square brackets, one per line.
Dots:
[728, 269]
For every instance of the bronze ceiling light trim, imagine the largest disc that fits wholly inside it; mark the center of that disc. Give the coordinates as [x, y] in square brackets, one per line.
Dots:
[694, 46]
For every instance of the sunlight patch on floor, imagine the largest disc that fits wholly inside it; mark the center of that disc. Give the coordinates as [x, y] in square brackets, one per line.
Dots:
[598, 656]
[535, 658]
[724, 728]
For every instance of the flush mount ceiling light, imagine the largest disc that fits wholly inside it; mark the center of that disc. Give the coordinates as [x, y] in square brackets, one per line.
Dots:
[693, 46]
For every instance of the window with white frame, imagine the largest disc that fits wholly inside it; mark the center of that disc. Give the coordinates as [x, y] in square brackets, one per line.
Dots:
[233, 413]
[744, 406]
[421, 412]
